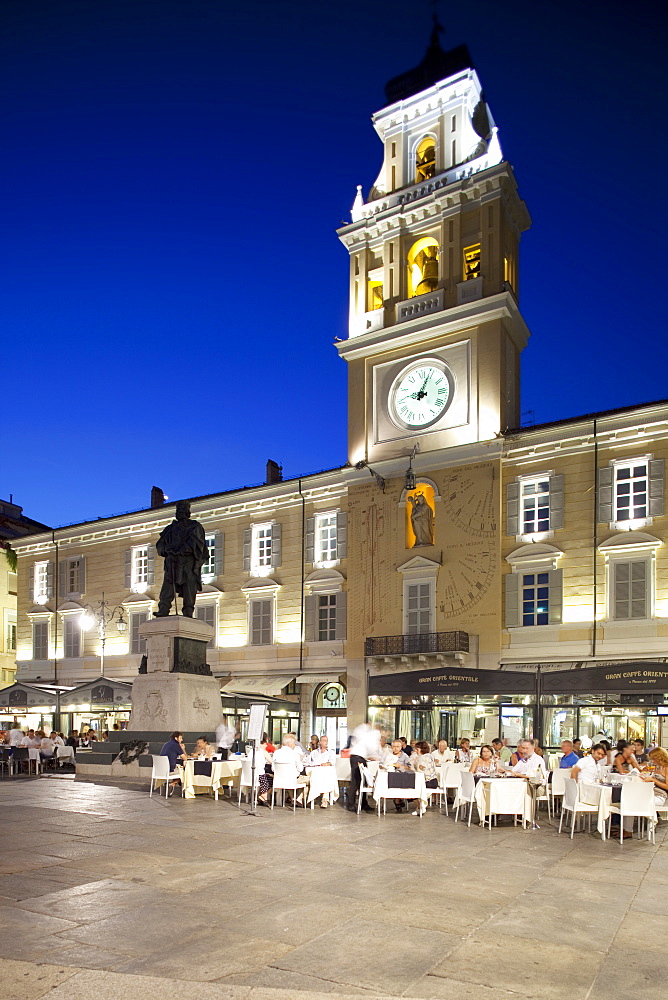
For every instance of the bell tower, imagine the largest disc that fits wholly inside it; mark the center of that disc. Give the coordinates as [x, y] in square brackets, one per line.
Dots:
[435, 332]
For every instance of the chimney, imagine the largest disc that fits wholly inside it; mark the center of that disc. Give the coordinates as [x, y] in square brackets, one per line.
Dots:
[274, 472]
[157, 497]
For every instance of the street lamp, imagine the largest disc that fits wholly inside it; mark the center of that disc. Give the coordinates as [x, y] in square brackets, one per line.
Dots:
[101, 615]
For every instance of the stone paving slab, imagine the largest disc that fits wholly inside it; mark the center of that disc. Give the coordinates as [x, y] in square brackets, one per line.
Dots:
[136, 897]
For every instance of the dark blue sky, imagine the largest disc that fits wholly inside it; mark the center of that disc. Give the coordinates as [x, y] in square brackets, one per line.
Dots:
[173, 173]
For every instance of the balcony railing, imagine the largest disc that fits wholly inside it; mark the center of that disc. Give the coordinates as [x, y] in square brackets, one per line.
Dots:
[419, 642]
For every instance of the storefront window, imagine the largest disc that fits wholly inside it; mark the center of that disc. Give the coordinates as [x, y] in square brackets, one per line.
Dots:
[559, 724]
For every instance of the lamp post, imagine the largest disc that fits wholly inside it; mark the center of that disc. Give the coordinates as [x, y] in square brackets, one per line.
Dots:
[102, 615]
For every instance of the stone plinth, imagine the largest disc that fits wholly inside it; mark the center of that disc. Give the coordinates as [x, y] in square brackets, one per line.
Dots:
[178, 690]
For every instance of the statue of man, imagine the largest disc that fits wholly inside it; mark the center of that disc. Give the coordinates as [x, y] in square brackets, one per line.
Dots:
[422, 520]
[182, 544]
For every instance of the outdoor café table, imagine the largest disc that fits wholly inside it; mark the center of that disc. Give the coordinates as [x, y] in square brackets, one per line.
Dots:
[595, 794]
[323, 781]
[207, 775]
[504, 799]
[381, 789]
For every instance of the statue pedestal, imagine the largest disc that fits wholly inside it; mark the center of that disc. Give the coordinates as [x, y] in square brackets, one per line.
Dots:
[178, 691]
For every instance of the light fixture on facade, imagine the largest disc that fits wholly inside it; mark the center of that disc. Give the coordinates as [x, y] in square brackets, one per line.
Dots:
[410, 481]
[380, 482]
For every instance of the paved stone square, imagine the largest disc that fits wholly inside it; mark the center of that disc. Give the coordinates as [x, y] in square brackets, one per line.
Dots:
[109, 893]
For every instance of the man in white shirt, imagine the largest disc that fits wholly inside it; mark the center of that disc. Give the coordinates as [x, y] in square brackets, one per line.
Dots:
[15, 735]
[528, 761]
[396, 760]
[47, 748]
[364, 746]
[289, 754]
[588, 768]
[29, 739]
[442, 754]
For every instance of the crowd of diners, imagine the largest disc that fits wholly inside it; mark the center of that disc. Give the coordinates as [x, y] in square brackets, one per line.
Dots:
[47, 741]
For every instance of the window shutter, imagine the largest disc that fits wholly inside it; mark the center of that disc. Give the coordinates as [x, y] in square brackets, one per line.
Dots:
[49, 579]
[219, 549]
[247, 549]
[63, 589]
[513, 509]
[556, 502]
[341, 603]
[512, 586]
[555, 596]
[82, 574]
[310, 609]
[31, 584]
[275, 545]
[137, 644]
[150, 552]
[638, 607]
[128, 568]
[310, 539]
[207, 613]
[605, 498]
[341, 535]
[657, 488]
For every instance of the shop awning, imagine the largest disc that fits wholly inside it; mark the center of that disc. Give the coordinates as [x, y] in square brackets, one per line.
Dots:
[28, 698]
[267, 684]
[332, 678]
[102, 694]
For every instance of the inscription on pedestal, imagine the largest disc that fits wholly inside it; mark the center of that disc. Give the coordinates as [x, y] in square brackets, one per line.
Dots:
[190, 657]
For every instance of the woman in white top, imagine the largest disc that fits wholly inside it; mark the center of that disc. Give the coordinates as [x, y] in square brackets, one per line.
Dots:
[486, 763]
[464, 751]
[422, 760]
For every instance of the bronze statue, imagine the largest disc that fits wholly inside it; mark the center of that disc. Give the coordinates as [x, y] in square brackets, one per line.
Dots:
[182, 544]
[422, 520]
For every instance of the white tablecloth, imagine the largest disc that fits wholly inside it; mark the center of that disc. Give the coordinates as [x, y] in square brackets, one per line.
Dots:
[381, 790]
[221, 772]
[323, 781]
[506, 796]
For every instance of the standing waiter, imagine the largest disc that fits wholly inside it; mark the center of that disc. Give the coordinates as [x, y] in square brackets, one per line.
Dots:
[364, 746]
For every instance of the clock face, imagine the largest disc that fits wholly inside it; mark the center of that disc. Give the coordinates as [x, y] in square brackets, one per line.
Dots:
[421, 394]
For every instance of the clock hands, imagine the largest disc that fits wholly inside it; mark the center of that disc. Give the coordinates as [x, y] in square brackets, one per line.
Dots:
[420, 394]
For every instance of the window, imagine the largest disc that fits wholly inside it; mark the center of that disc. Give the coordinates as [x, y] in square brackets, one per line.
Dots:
[535, 505]
[207, 613]
[630, 590]
[326, 538]
[326, 617]
[41, 582]
[72, 579]
[40, 640]
[423, 266]
[10, 637]
[139, 568]
[631, 492]
[137, 644]
[12, 584]
[374, 295]
[209, 567]
[72, 636]
[418, 608]
[535, 598]
[262, 548]
[471, 268]
[261, 622]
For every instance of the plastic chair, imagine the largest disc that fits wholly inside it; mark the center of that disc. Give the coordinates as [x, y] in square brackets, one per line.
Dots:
[286, 780]
[6, 762]
[466, 795]
[556, 786]
[451, 780]
[571, 803]
[160, 772]
[246, 779]
[20, 757]
[637, 800]
[367, 782]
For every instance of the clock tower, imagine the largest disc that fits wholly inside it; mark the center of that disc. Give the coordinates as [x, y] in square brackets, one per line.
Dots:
[435, 331]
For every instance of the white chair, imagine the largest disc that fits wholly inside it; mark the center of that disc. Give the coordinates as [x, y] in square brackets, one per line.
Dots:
[451, 780]
[466, 794]
[555, 786]
[636, 800]
[367, 782]
[286, 780]
[246, 779]
[571, 803]
[160, 772]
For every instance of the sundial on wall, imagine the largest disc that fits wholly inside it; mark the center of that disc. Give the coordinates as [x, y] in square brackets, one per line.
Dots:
[469, 503]
[468, 568]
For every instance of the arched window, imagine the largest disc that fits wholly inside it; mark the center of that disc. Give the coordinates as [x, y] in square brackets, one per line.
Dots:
[423, 266]
[425, 159]
[330, 696]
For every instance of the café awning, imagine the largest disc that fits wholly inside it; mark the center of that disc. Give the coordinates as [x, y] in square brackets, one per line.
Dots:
[270, 685]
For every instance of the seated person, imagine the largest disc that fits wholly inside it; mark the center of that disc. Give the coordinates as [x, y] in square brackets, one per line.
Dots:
[537, 748]
[639, 751]
[624, 761]
[485, 764]
[73, 739]
[202, 748]
[29, 740]
[577, 746]
[397, 760]
[464, 751]
[47, 747]
[588, 768]
[322, 757]
[57, 739]
[569, 758]
[423, 761]
[175, 751]
[501, 751]
[405, 746]
[659, 758]
[442, 754]
[289, 753]
[527, 760]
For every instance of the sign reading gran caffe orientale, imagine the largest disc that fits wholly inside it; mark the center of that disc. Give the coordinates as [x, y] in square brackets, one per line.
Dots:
[619, 677]
[453, 680]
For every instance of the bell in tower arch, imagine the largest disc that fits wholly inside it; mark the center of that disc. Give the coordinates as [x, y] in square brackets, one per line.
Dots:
[427, 261]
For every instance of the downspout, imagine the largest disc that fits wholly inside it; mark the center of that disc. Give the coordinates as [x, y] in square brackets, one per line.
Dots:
[301, 619]
[595, 541]
[56, 578]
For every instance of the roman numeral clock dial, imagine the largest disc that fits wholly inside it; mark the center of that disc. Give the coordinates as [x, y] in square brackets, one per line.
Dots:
[421, 394]
[469, 564]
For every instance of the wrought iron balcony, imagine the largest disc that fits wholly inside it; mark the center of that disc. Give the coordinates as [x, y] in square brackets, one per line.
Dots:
[418, 642]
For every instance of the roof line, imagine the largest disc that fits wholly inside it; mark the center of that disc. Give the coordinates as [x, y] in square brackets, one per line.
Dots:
[585, 416]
